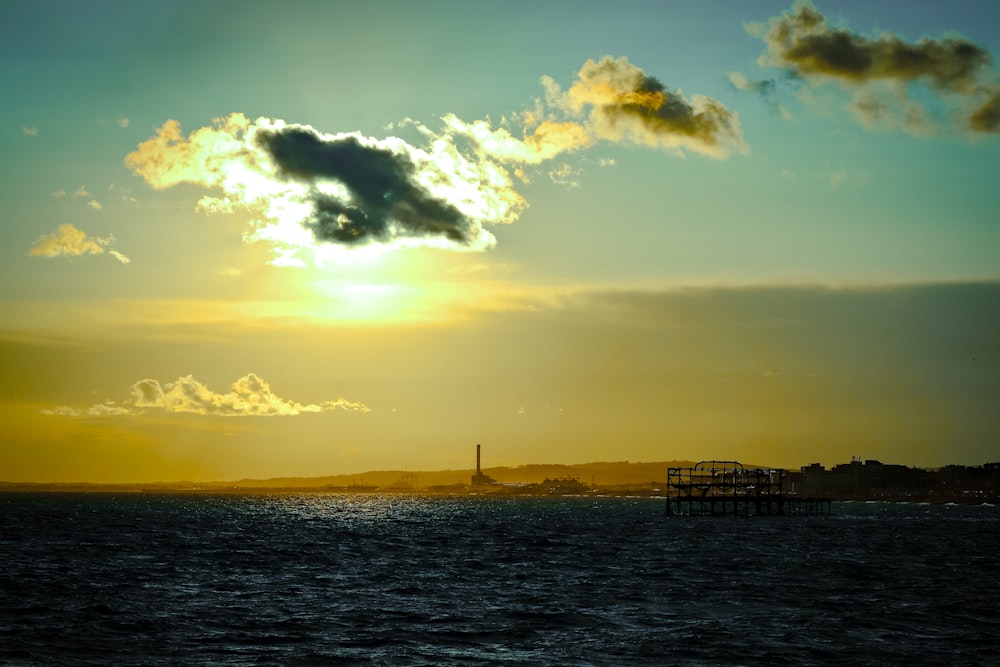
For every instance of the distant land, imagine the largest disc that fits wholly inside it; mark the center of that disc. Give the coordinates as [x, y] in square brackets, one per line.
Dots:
[602, 474]
[857, 480]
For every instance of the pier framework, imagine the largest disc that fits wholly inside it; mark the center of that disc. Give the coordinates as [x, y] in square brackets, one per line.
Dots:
[726, 488]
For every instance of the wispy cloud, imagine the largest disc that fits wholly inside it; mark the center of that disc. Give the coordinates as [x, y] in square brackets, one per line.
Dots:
[249, 396]
[881, 69]
[29, 131]
[764, 88]
[122, 122]
[68, 241]
[311, 190]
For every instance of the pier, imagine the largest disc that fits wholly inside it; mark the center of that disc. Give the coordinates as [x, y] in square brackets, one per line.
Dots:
[727, 488]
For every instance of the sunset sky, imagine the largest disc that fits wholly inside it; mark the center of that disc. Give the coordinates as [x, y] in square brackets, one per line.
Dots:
[258, 239]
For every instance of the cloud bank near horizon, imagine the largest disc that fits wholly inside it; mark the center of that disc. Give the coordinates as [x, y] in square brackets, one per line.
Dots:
[250, 396]
[307, 188]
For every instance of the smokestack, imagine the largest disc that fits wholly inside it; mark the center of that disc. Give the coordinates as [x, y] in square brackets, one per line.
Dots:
[478, 470]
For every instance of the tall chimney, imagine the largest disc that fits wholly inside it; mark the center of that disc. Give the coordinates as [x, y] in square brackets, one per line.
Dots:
[478, 470]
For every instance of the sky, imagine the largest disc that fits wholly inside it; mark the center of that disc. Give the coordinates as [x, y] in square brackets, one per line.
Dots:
[256, 239]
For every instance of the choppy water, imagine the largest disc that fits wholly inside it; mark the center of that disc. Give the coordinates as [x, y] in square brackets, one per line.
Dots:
[397, 580]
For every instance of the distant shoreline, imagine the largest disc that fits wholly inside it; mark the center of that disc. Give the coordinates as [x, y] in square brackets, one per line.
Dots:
[496, 493]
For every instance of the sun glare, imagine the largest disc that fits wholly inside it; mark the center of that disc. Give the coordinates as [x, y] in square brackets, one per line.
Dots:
[367, 302]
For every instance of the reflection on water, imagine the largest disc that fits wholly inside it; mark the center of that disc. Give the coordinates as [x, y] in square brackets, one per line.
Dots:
[356, 579]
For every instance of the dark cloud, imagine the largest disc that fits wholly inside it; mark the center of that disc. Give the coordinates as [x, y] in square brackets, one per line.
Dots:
[384, 198]
[987, 117]
[802, 43]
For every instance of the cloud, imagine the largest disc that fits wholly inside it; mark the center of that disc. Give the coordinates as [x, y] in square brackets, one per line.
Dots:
[122, 122]
[68, 241]
[122, 193]
[566, 175]
[546, 140]
[986, 118]
[346, 189]
[765, 89]
[623, 104]
[81, 192]
[94, 204]
[309, 191]
[881, 69]
[250, 396]
[29, 131]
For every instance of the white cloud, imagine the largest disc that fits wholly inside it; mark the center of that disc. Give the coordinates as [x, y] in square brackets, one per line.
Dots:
[249, 396]
[68, 241]
[62, 411]
[122, 122]
[29, 131]
[94, 204]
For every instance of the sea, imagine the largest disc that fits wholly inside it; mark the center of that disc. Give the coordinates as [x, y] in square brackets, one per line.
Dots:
[368, 579]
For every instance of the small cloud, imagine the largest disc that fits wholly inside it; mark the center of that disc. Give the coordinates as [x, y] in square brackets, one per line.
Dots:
[765, 89]
[124, 194]
[59, 194]
[81, 192]
[566, 175]
[607, 162]
[94, 204]
[229, 272]
[105, 410]
[122, 122]
[62, 411]
[29, 131]
[68, 241]
[838, 177]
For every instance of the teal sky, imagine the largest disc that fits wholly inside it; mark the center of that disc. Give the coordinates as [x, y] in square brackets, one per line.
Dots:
[857, 188]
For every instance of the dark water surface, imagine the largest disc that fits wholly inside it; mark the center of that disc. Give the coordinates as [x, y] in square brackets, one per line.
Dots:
[397, 580]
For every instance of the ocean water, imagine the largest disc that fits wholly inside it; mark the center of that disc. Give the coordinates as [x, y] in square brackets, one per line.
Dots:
[312, 579]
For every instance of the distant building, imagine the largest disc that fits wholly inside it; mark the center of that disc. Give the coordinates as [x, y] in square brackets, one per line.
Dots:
[479, 479]
[872, 479]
